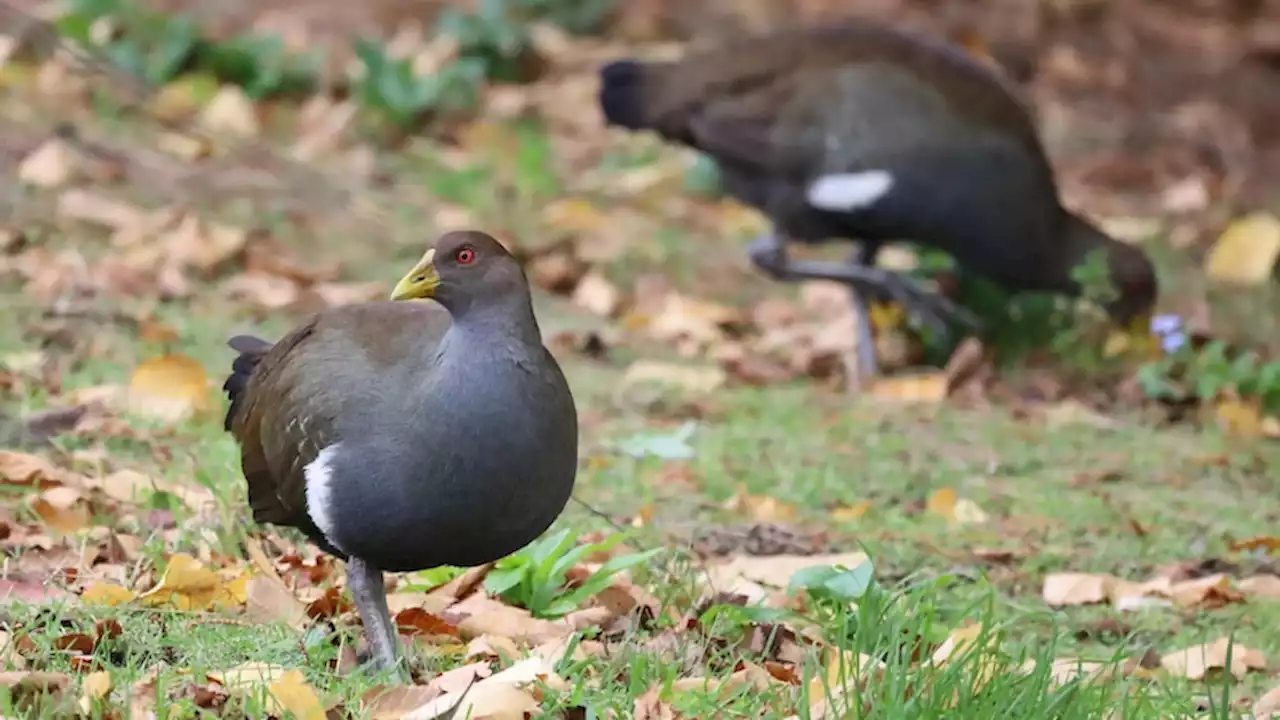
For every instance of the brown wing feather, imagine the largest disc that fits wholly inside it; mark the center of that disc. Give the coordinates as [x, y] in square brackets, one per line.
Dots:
[290, 402]
[273, 496]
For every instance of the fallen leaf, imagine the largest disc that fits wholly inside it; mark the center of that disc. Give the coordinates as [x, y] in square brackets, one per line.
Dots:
[919, 387]
[597, 295]
[1264, 587]
[1268, 706]
[691, 378]
[268, 600]
[851, 512]
[760, 508]
[1270, 543]
[394, 703]
[1064, 589]
[775, 570]
[189, 585]
[107, 594]
[942, 502]
[26, 470]
[1194, 663]
[292, 694]
[94, 688]
[1246, 252]
[169, 388]
[50, 165]
[231, 112]
[63, 509]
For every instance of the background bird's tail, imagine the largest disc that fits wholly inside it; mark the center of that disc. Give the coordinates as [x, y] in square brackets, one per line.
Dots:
[622, 97]
[251, 351]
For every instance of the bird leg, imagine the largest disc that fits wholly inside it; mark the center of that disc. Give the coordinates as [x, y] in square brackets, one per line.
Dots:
[769, 254]
[370, 593]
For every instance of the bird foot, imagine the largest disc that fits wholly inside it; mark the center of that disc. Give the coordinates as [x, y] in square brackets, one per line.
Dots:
[769, 253]
[935, 311]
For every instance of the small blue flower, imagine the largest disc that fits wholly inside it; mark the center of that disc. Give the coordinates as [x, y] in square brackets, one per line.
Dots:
[1171, 331]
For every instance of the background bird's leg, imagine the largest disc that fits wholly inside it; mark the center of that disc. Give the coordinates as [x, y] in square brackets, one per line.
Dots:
[864, 256]
[933, 309]
[370, 593]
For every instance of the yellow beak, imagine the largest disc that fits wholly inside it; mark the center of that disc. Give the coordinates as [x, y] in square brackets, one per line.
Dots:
[420, 282]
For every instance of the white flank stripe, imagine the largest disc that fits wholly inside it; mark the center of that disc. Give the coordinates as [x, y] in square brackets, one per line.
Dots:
[846, 192]
[319, 476]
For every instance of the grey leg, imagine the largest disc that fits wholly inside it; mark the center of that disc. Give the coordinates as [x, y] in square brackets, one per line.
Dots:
[769, 254]
[867, 365]
[370, 593]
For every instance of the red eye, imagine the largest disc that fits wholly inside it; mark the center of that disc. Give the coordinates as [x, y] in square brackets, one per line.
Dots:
[466, 256]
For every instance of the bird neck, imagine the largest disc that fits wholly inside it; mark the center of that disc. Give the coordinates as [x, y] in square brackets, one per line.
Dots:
[1080, 238]
[505, 321]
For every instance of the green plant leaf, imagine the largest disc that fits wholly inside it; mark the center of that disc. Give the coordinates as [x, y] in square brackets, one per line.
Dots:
[500, 581]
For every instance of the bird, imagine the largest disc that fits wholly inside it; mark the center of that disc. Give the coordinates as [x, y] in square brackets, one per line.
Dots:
[863, 131]
[401, 436]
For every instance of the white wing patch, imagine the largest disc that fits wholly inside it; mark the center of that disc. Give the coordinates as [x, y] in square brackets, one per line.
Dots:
[319, 476]
[845, 192]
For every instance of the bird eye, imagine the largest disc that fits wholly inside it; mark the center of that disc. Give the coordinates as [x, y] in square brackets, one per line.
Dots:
[419, 278]
[466, 256]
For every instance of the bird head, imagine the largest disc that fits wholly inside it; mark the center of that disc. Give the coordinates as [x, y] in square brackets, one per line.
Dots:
[462, 270]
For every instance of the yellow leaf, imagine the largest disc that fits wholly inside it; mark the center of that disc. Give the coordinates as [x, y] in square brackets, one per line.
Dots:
[95, 686]
[188, 585]
[169, 387]
[184, 96]
[967, 512]
[1246, 252]
[105, 593]
[1245, 418]
[851, 512]
[760, 508]
[919, 387]
[886, 315]
[231, 112]
[942, 503]
[293, 695]
[957, 642]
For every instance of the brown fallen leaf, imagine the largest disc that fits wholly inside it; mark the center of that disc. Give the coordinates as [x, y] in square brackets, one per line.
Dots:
[1261, 587]
[1270, 543]
[597, 295]
[1064, 589]
[775, 570]
[21, 469]
[1268, 706]
[52, 164]
[1194, 663]
[268, 600]
[39, 693]
[394, 703]
[63, 509]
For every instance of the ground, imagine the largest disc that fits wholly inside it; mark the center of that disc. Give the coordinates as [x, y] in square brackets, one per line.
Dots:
[969, 513]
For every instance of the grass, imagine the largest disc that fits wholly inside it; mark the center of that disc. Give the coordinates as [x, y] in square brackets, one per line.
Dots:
[1120, 500]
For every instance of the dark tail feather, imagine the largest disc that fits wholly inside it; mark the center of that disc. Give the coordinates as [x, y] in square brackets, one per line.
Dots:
[251, 351]
[622, 94]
